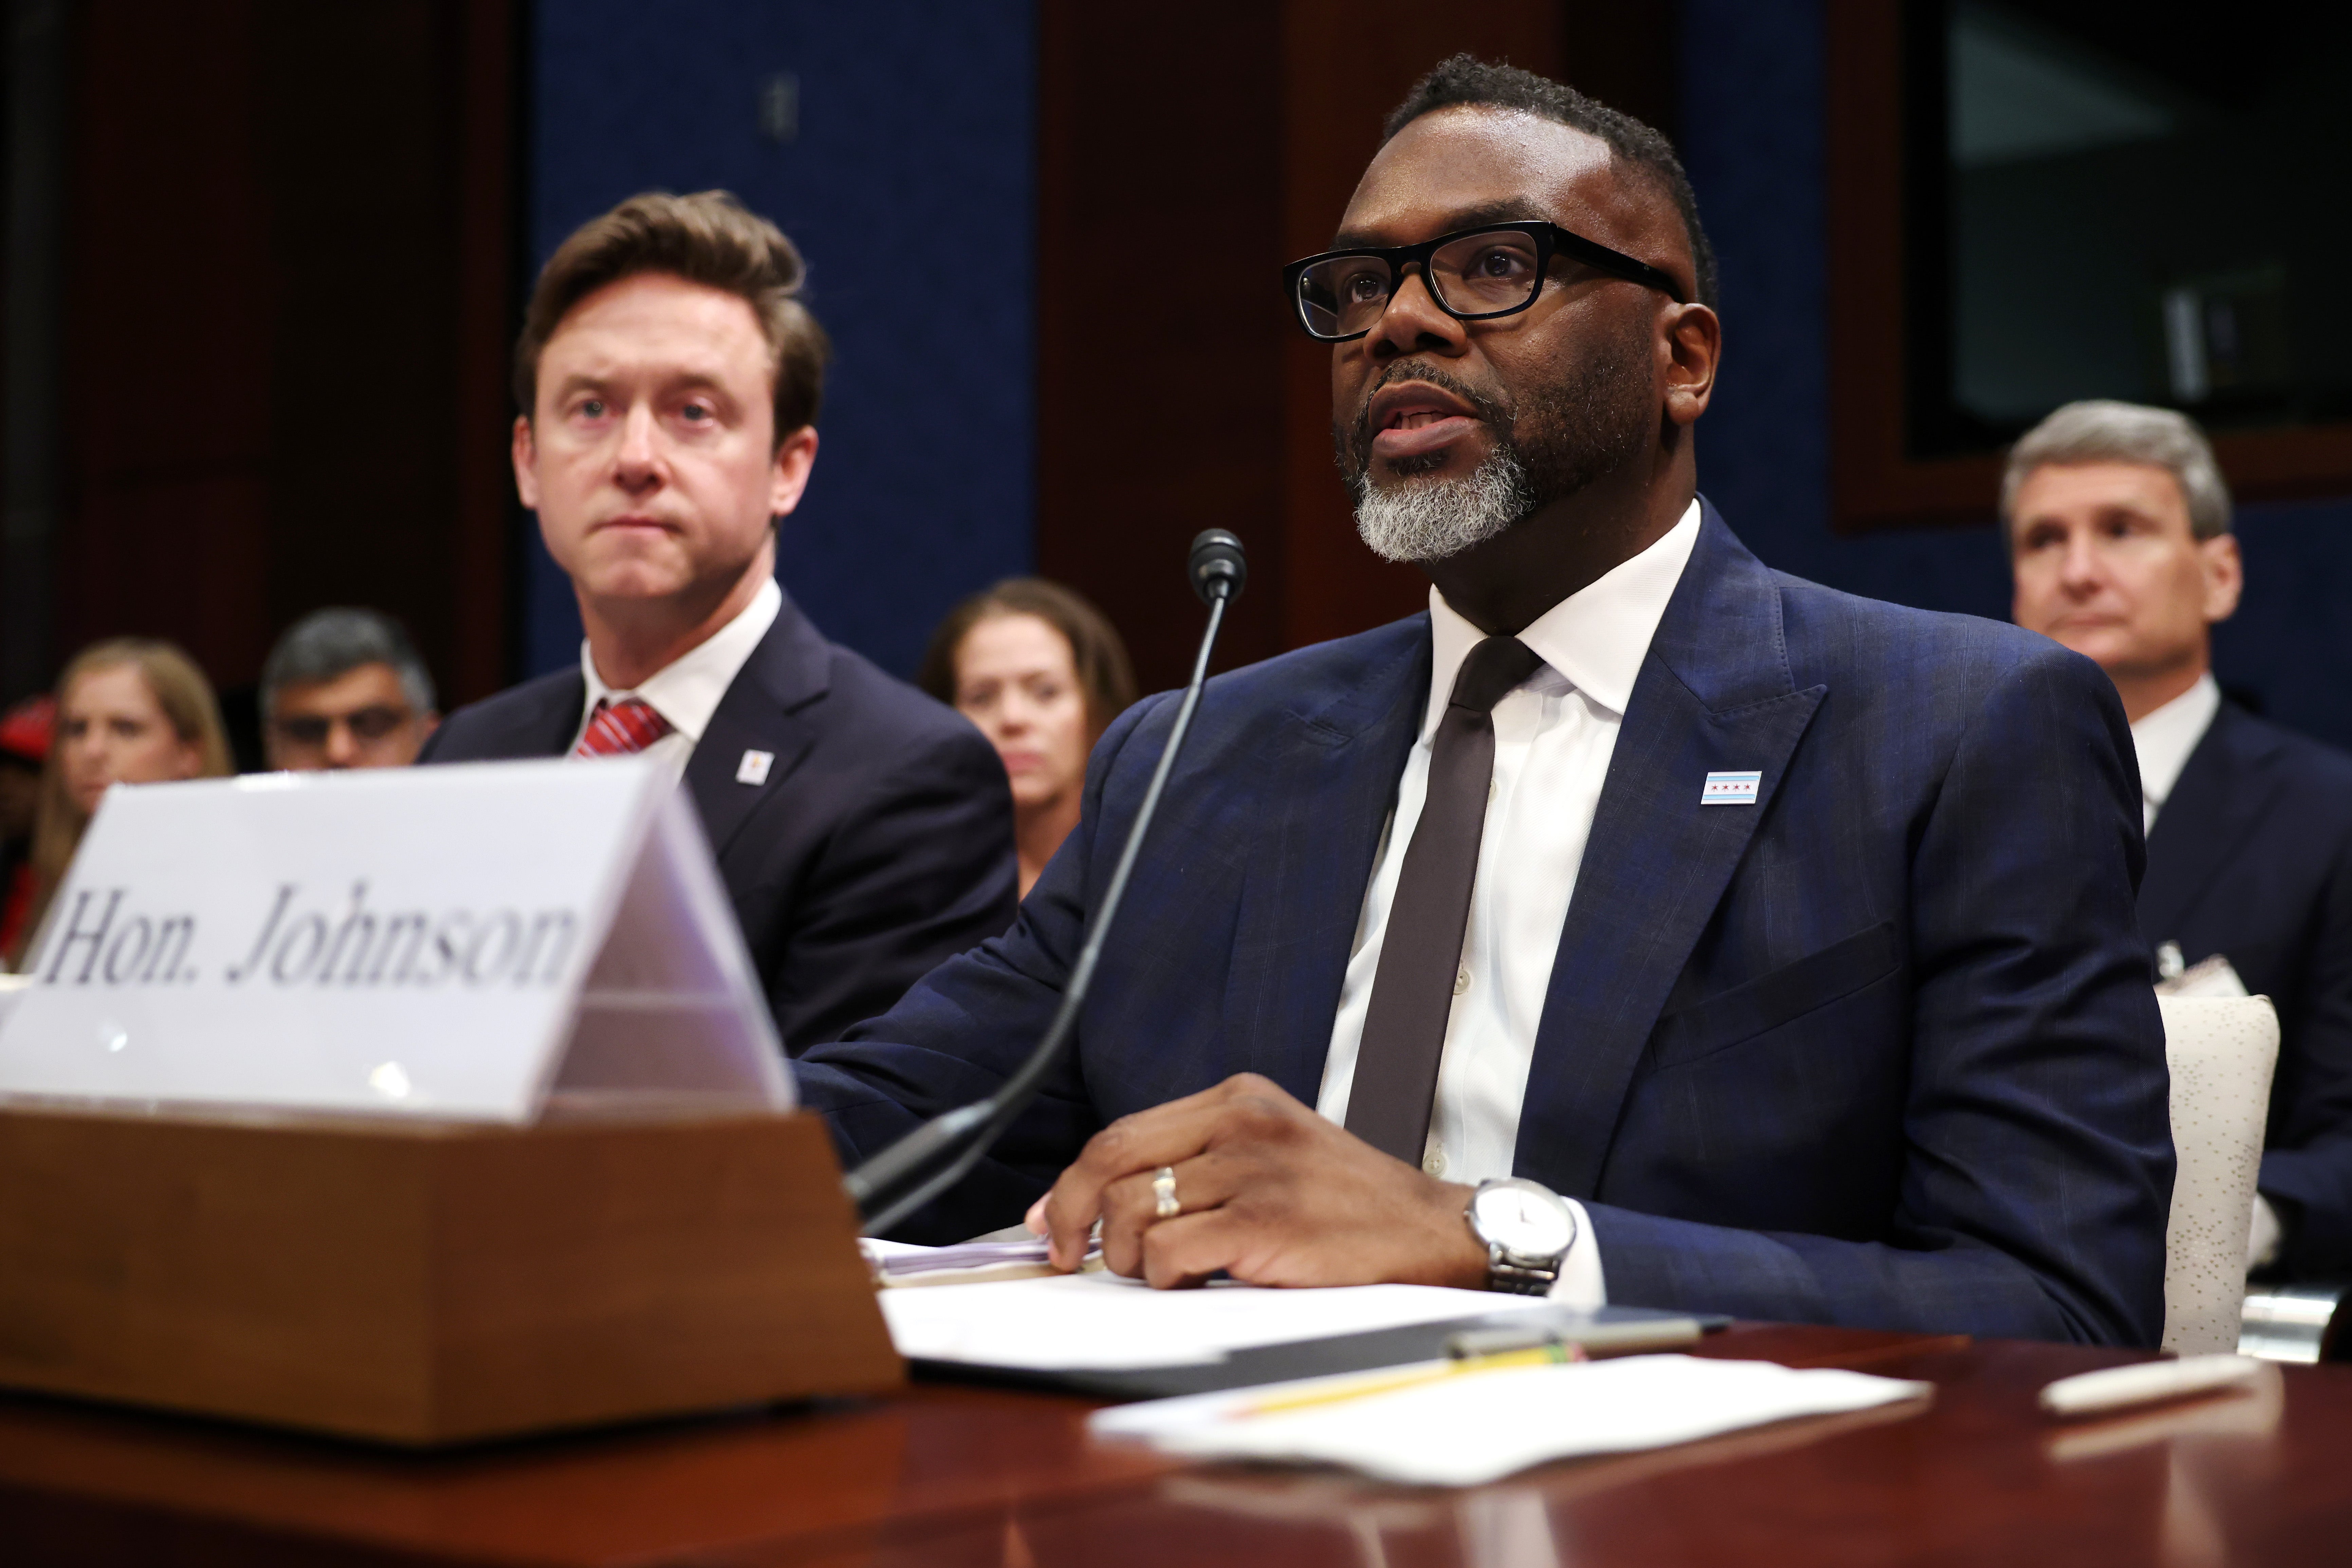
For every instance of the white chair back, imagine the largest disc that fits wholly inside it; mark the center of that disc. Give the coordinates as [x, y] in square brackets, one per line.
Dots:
[2221, 1051]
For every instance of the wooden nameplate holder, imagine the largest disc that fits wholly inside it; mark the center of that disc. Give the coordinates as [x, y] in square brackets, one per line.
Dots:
[432, 1283]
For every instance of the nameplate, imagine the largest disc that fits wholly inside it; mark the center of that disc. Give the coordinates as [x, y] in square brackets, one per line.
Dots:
[453, 941]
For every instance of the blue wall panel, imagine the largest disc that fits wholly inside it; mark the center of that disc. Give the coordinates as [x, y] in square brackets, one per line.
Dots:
[910, 190]
[1751, 90]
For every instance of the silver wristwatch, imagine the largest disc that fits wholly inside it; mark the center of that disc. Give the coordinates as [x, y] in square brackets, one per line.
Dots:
[1526, 1230]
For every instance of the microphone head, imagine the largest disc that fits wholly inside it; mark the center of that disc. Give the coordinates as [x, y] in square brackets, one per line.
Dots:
[1219, 568]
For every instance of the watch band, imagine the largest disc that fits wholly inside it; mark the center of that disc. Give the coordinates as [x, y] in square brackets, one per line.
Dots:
[1517, 1275]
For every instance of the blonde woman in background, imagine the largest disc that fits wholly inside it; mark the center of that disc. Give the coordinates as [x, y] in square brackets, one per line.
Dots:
[130, 711]
[1041, 673]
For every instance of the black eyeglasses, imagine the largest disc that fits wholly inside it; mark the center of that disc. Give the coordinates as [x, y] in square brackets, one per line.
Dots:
[1474, 274]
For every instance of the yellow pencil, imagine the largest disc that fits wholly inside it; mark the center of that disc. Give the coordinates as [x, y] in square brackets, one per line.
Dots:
[1551, 1355]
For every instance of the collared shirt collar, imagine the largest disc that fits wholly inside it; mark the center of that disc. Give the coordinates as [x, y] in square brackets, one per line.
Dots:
[2165, 738]
[688, 690]
[1596, 638]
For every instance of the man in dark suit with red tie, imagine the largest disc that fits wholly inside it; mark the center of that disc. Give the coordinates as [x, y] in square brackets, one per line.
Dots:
[668, 377]
[1639, 925]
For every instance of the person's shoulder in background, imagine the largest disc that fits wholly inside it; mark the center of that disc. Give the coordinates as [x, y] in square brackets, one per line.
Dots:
[536, 719]
[2317, 774]
[867, 701]
[2252, 859]
[882, 845]
[2258, 825]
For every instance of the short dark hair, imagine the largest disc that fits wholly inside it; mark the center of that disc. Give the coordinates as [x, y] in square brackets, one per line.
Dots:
[1465, 79]
[709, 239]
[1097, 655]
[326, 645]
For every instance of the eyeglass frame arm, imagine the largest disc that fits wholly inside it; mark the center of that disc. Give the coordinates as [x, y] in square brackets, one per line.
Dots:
[1550, 240]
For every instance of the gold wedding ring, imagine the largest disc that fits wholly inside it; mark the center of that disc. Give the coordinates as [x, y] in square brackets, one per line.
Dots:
[1163, 1192]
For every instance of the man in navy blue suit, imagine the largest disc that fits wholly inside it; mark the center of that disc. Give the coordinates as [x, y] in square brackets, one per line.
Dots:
[668, 377]
[2120, 543]
[1639, 925]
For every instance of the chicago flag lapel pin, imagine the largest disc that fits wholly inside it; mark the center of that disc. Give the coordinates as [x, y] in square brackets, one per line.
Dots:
[1730, 789]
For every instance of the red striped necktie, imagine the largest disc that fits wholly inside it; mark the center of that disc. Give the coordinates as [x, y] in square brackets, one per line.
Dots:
[617, 729]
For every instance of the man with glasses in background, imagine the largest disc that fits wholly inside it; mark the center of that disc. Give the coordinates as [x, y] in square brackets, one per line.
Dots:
[345, 689]
[1639, 925]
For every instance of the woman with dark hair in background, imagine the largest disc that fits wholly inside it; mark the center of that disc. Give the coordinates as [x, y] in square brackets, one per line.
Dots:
[130, 711]
[1043, 674]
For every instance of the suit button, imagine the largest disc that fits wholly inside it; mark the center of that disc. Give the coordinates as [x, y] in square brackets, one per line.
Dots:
[1462, 981]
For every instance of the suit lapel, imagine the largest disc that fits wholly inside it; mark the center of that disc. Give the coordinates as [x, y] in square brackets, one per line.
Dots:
[1331, 780]
[1714, 695]
[2221, 796]
[767, 708]
[550, 732]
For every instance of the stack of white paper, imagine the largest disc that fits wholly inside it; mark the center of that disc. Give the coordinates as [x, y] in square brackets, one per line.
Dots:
[1478, 1426]
[1072, 1322]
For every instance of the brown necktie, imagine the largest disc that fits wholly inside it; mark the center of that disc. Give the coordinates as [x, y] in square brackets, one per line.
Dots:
[1413, 989]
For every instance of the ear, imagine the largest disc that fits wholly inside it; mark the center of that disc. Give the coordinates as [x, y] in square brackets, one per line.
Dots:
[2225, 576]
[790, 474]
[1692, 345]
[192, 760]
[525, 462]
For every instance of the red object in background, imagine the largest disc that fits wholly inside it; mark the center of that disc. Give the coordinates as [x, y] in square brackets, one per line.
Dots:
[25, 729]
[16, 903]
[289, 192]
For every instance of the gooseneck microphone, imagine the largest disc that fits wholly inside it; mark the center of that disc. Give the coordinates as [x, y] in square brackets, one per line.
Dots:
[910, 1172]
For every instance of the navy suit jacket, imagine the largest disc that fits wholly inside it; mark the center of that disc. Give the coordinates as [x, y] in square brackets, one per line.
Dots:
[2252, 857]
[880, 844]
[1879, 1049]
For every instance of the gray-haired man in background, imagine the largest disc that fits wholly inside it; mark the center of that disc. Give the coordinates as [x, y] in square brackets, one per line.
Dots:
[345, 689]
[2120, 544]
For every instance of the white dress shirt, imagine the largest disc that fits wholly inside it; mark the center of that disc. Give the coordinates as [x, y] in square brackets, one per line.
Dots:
[687, 690]
[1554, 735]
[2164, 740]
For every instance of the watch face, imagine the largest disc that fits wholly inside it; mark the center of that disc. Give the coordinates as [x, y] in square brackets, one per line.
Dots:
[1530, 1223]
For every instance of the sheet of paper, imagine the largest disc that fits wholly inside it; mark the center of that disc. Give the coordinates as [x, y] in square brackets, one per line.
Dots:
[1097, 1323]
[1478, 1427]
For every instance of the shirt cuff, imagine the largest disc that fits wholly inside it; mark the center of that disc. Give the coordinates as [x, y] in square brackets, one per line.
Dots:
[1581, 1283]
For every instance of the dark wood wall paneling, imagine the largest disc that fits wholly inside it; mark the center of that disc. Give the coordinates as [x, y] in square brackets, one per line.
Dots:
[1183, 159]
[33, 54]
[292, 296]
[1159, 364]
[288, 301]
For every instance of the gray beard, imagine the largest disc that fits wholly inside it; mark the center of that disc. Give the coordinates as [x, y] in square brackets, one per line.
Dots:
[1419, 520]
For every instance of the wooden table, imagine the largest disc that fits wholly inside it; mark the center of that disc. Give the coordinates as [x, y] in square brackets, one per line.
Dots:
[955, 1476]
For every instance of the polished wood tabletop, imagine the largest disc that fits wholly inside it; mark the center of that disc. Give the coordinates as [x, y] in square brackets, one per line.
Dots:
[949, 1475]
